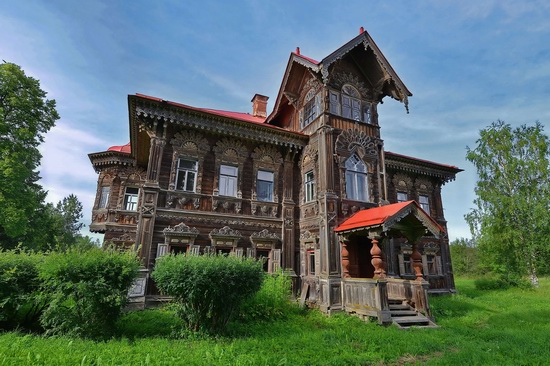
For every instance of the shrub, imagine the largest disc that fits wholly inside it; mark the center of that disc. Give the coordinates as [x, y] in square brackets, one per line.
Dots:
[86, 291]
[501, 282]
[19, 283]
[272, 301]
[209, 288]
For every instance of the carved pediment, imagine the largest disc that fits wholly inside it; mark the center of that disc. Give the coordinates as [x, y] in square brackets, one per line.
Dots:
[265, 234]
[231, 149]
[181, 229]
[225, 231]
[350, 141]
[267, 154]
[190, 142]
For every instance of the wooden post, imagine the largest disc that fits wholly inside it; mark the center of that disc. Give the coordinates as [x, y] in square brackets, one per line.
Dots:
[345, 257]
[417, 262]
[377, 259]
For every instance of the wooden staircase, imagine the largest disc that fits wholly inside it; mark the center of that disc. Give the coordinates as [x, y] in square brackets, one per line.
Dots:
[405, 316]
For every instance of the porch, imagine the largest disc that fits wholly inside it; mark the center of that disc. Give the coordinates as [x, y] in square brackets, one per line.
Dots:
[366, 290]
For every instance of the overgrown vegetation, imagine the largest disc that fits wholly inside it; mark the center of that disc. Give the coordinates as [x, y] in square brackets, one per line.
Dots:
[506, 327]
[208, 289]
[76, 292]
[465, 257]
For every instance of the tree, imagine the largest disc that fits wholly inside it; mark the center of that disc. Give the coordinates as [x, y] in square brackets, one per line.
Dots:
[25, 116]
[464, 254]
[511, 220]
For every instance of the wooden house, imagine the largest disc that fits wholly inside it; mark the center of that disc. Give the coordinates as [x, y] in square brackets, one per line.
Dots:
[309, 188]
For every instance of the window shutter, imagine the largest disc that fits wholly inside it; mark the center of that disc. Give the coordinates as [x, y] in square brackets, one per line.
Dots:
[318, 104]
[439, 265]
[161, 250]
[251, 252]
[275, 260]
[333, 101]
[317, 262]
[401, 264]
[425, 265]
[239, 252]
[301, 118]
[194, 249]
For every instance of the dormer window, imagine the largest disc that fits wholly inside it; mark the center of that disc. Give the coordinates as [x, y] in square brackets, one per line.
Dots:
[348, 104]
[311, 109]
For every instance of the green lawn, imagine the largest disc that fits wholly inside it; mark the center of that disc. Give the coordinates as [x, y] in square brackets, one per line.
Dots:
[504, 327]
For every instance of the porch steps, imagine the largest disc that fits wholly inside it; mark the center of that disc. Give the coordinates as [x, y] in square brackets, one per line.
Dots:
[405, 316]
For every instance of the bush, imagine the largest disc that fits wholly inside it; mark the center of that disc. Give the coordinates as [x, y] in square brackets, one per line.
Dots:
[208, 289]
[501, 282]
[272, 301]
[19, 283]
[86, 291]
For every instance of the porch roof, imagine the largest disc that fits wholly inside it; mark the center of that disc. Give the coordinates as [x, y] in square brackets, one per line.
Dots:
[391, 216]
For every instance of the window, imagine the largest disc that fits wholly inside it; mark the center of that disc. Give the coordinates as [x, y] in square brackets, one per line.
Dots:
[402, 197]
[311, 108]
[309, 187]
[228, 180]
[264, 186]
[131, 199]
[186, 175]
[405, 264]
[431, 264]
[348, 104]
[424, 203]
[356, 179]
[104, 197]
[311, 262]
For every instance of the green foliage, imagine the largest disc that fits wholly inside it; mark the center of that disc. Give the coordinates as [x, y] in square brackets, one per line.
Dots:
[511, 220]
[208, 289]
[271, 302]
[25, 116]
[86, 290]
[500, 327]
[465, 257]
[19, 284]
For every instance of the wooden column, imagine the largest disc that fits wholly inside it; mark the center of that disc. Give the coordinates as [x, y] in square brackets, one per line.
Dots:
[417, 262]
[377, 259]
[345, 257]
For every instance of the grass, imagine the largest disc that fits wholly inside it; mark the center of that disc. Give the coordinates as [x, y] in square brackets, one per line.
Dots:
[499, 327]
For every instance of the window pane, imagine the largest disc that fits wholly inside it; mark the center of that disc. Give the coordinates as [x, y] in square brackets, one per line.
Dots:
[228, 170]
[264, 191]
[131, 199]
[190, 184]
[401, 197]
[187, 164]
[346, 106]
[104, 198]
[267, 176]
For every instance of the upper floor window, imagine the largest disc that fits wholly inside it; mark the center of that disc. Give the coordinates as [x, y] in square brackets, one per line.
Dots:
[131, 198]
[309, 186]
[356, 179]
[348, 104]
[186, 175]
[264, 186]
[104, 197]
[424, 203]
[402, 197]
[228, 180]
[311, 109]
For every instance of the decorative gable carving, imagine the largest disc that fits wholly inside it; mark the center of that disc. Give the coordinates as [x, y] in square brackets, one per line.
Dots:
[356, 141]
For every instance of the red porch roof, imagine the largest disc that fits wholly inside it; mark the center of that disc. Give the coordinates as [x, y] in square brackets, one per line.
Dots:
[377, 216]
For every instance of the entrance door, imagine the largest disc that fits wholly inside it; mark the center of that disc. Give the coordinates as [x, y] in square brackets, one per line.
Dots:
[360, 265]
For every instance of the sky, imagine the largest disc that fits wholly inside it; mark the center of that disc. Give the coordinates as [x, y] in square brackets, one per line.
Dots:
[467, 63]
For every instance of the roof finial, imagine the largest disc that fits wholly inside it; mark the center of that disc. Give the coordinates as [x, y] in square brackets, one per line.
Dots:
[297, 50]
[361, 30]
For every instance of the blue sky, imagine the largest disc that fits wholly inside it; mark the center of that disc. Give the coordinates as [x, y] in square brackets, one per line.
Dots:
[467, 63]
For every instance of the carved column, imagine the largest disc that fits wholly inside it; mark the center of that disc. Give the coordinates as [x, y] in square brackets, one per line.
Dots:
[377, 259]
[417, 262]
[345, 257]
[155, 158]
[289, 246]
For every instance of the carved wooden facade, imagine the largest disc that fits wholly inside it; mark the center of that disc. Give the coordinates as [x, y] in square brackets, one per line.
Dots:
[202, 181]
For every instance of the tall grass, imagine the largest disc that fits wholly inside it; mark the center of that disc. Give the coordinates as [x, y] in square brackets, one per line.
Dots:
[477, 327]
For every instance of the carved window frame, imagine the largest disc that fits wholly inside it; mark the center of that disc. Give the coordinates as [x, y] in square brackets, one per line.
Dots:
[132, 177]
[403, 184]
[181, 236]
[188, 145]
[309, 163]
[355, 142]
[232, 153]
[354, 96]
[309, 247]
[267, 241]
[424, 187]
[354, 184]
[225, 238]
[266, 158]
[106, 181]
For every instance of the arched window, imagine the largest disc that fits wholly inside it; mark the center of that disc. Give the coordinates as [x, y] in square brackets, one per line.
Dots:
[311, 109]
[356, 179]
[348, 104]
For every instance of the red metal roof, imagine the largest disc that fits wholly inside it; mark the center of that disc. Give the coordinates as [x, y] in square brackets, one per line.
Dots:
[234, 115]
[306, 58]
[372, 216]
[123, 149]
[377, 216]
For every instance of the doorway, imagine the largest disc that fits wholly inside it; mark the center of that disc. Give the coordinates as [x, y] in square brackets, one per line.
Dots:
[360, 265]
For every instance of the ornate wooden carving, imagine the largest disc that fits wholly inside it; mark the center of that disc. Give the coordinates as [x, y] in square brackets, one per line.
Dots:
[377, 259]
[417, 262]
[345, 258]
